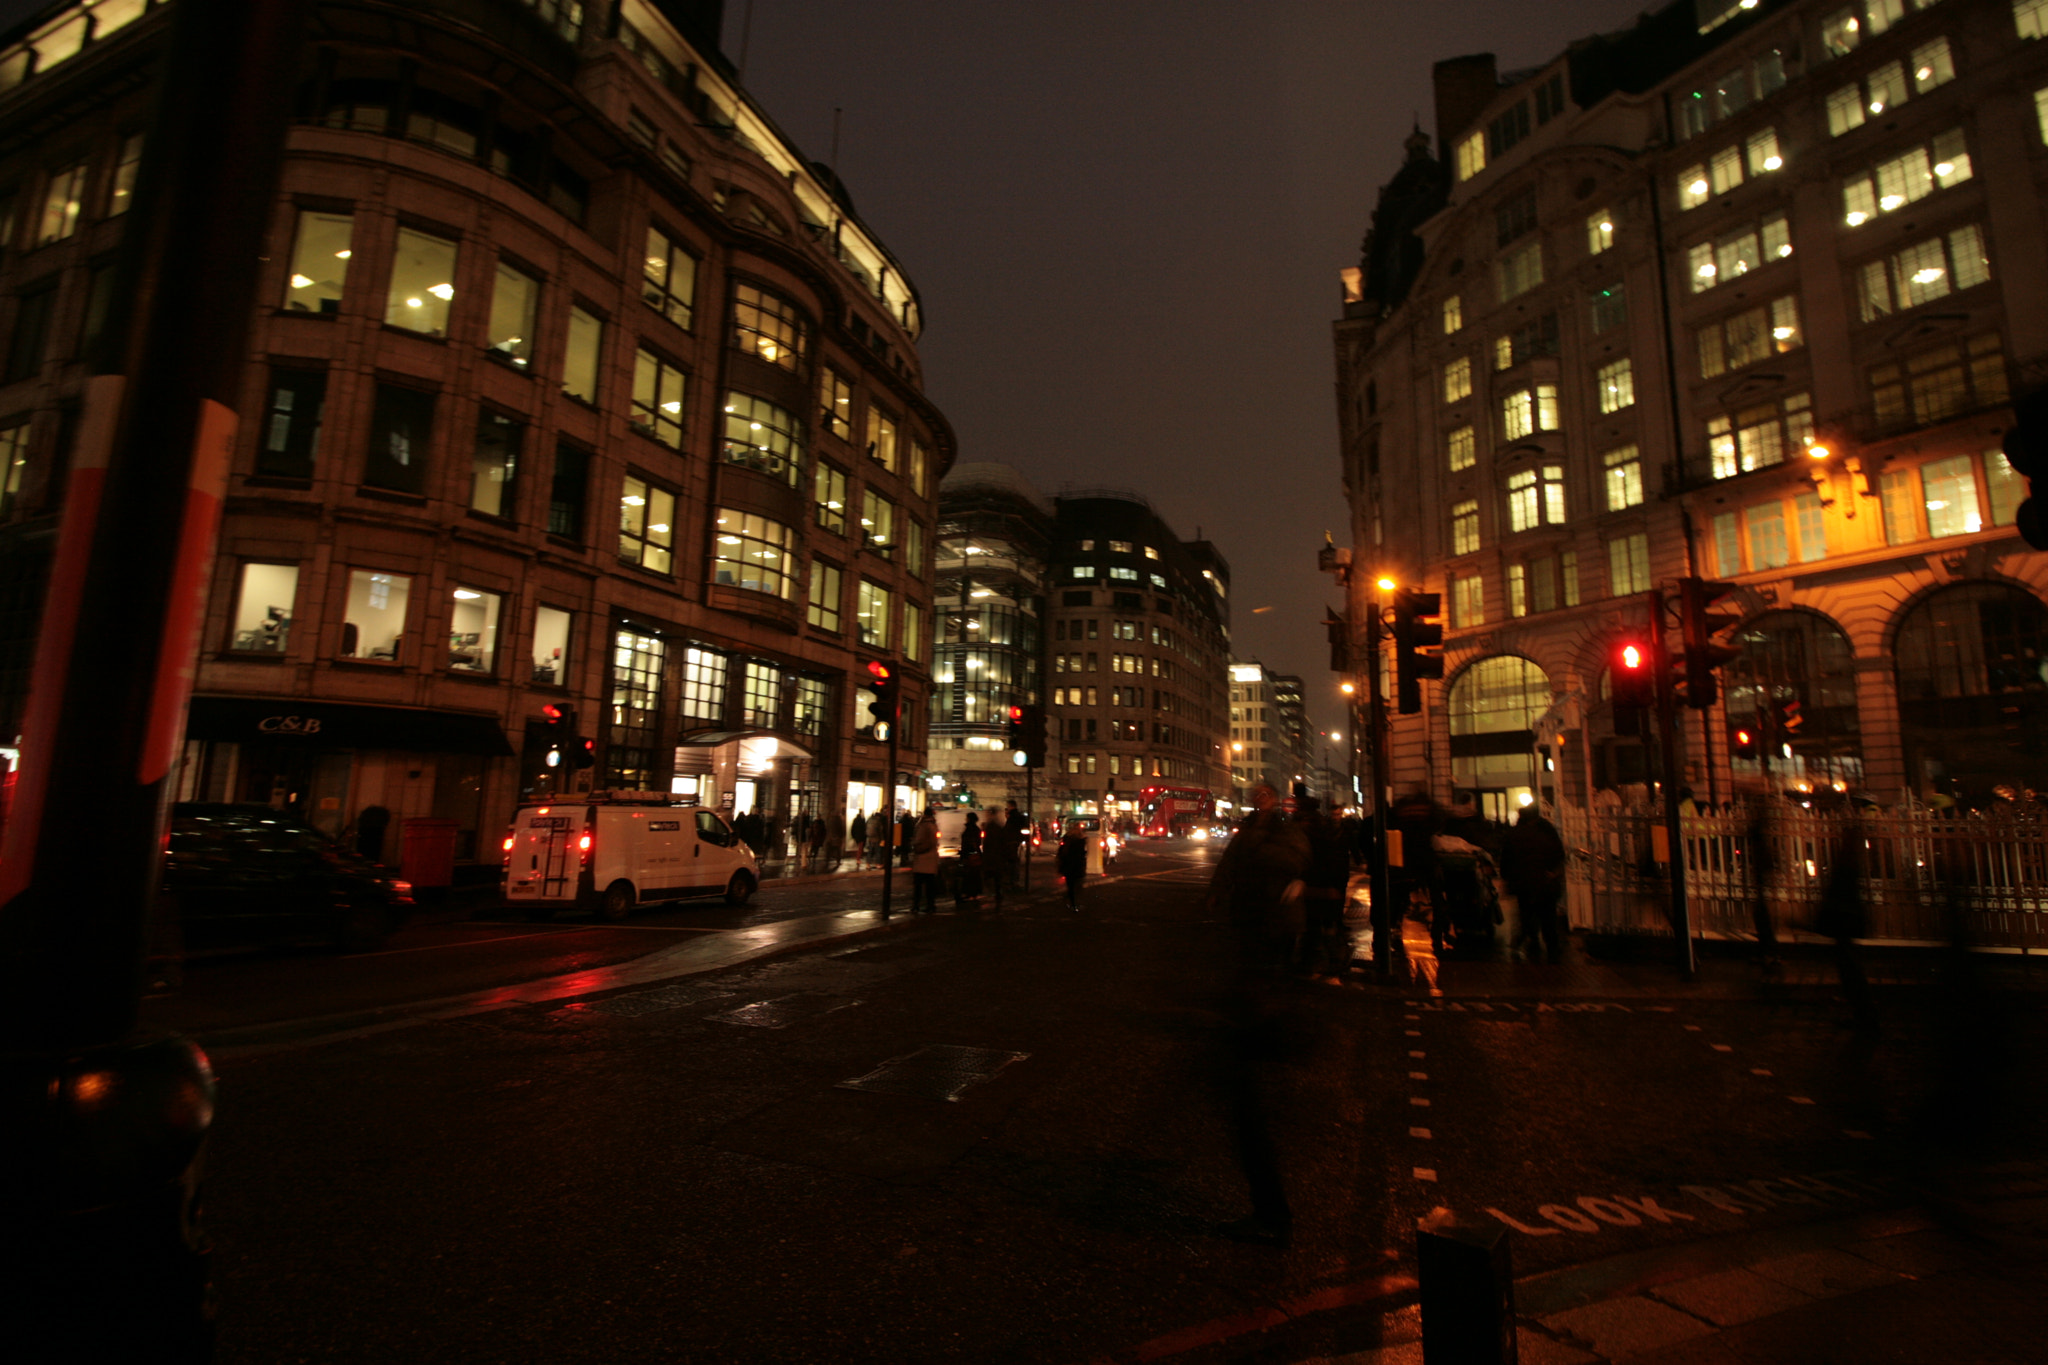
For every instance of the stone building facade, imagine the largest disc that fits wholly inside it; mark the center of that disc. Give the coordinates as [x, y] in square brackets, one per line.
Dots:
[1743, 293]
[573, 383]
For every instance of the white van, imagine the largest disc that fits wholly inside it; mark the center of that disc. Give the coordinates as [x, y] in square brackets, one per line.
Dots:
[609, 851]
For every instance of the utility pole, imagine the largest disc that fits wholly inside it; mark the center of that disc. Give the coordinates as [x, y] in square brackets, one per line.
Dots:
[107, 1122]
[1384, 921]
[1668, 735]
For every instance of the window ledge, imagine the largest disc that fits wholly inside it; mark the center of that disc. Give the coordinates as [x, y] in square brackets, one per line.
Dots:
[387, 665]
[391, 495]
[283, 311]
[264, 656]
[277, 481]
[434, 338]
[504, 362]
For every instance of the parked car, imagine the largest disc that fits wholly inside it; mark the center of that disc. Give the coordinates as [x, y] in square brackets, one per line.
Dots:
[246, 876]
[612, 851]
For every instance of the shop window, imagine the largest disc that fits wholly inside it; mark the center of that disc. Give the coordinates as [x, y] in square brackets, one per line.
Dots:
[263, 608]
[669, 279]
[646, 525]
[580, 357]
[568, 491]
[494, 464]
[515, 304]
[401, 422]
[763, 437]
[291, 430]
[769, 326]
[473, 630]
[422, 283]
[551, 646]
[750, 551]
[373, 620]
[658, 385]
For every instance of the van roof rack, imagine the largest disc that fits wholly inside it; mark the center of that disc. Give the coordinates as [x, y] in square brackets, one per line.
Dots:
[609, 797]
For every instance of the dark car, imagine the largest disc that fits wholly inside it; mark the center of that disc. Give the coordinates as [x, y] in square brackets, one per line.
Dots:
[254, 877]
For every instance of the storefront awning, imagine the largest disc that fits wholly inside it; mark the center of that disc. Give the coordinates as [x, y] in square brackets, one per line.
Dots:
[341, 725]
[766, 744]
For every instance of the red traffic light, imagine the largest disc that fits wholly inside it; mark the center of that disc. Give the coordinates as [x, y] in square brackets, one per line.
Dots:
[1016, 713]
[880, 671]
[552, 711]
[1631, 657]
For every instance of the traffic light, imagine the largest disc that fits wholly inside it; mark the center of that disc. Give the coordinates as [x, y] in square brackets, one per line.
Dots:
[582, 752]
[1031, 728]
[1413, 633]
[2026, 450]
[1014, 731]
[560, 724]
[888, 689]
[1743, 742]
[1700, 625]
[1789, 719]
[1632, 683]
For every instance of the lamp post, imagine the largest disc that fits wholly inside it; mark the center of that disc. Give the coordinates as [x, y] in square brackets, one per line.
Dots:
[1384, 921]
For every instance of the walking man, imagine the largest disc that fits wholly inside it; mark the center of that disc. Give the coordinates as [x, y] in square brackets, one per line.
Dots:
[1532, 863]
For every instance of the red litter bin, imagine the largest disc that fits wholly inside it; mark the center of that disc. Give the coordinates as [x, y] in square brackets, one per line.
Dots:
[427, 851]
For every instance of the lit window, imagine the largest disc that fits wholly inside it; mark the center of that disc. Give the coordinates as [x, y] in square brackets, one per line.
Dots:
[1519, 271]
[1765, 526]
[1724, 169]
[580, 355]
[1692, 187]
[1454, 308]
[1762, 149]
[1462, 448]
[494, 463]
[1840, 32]
[263, 607]
[647, 533]
[1458, 379]
[515, 304]
[882, 440]
[828, 497]
[658, 399]
[1845, 110]
[373, 619]
[769, 326]
[1617, 386]
[1628, 565]
[871, 614]
[320, 255]
[1468, 601]
[669, 278]
[1599, 232]
[422, 283]
[1471, 156]
[127, 162]
[763, 437]
[2030, 17]
[473, 630]
[835, 404]
[1624, 478]
[1464, 527]
[62, 197]
[1811, 519]
[749, 551]
[1932, 65]
[1518, 590]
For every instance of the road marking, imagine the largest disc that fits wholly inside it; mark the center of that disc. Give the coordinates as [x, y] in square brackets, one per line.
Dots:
[1721, 1047]
[1418, 1101]
[1413, 1032]
[1846, 1132]
[1759, 1071]
[1412, 1018]
[1799, 1099]
[1692, 1028]
[1416, 1055]
[1424, 1173]
[1418, 1075]
[1422, 1133]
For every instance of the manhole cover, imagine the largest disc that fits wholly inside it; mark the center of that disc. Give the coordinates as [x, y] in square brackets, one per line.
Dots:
[786, 1010]
[654, 1002]
[937, 1071]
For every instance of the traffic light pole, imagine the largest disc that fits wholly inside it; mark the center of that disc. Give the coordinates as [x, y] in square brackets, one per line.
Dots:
[1667, 732]
[1384, 921]
[889, 853]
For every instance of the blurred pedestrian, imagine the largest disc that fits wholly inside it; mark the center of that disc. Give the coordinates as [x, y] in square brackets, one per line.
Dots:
[1761, 846]
[905, 829]
[1257, 883]
[1325, 948]
[967, 887]
[1842, 919]
[1001, 848]
[857, 835]
[879, 828]
[924, 866]
[1072, 862]
[1412, 827]
[814, 841]
[1532, 864]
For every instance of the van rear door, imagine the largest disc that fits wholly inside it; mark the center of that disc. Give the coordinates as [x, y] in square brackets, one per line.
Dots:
[544, 861]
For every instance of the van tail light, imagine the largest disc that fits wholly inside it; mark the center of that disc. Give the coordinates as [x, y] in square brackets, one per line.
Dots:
[508, 847]
[583, 845]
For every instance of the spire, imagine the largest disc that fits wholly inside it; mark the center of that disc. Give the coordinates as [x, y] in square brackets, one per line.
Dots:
[1417, 143]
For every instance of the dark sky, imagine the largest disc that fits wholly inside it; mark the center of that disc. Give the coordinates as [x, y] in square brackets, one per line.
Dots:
[1126, 219]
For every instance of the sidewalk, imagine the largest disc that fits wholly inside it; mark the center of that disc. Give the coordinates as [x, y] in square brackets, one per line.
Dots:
[1964, 1277]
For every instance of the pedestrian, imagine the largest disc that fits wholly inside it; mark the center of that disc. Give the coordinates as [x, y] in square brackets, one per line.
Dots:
[814, 841]
[1072, 861]
[924, 867]
[1415, 820]
[1260, 866]
[967, 888]
[1001, 846]
[905, 829]
[857, 834]
[1325, 949]
[1760, 844]
[878, 839]
[1533, 863]
[1842, 919]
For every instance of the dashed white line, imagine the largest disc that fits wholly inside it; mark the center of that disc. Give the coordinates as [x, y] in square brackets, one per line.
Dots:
[1413, 1032]
[1416, 1055]
[1721, 1047]
[1424, 1133]
[1421, 1103]
[1799, 1099]
[1424, 1173]
[1692, 1028]
[1418, 1075]
[1759, 1071]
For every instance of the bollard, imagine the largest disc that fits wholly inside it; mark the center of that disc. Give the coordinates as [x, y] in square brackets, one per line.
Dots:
[1468, 1292]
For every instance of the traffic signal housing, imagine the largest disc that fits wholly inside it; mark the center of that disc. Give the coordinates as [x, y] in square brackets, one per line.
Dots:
[559, 722]
[1414, 633]
[1014, 731]
[1631, 682]
[1699, 625]
[1743, 742]
[1031, 735]
[582, 752]
[886, 708]
[2026, 450]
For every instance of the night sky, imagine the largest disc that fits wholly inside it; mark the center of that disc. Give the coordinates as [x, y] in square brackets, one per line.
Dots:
[1126, 219]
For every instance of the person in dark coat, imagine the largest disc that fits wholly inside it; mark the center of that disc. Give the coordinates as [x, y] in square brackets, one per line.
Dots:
[1416, 819]
[857, 834]
[968, 887]
[1072, 862]
[1532, 864]
[906, 829]
[1002, 846]
[1325, 948]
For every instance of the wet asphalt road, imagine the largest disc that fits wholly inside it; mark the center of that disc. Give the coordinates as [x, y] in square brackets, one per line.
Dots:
[675, 1171]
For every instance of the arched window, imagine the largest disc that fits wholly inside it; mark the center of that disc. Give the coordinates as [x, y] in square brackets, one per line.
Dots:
[1493, 706]
[1795, 682]
[1972, 695]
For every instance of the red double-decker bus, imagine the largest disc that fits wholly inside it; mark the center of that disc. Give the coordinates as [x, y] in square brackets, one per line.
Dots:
[1171, 812]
